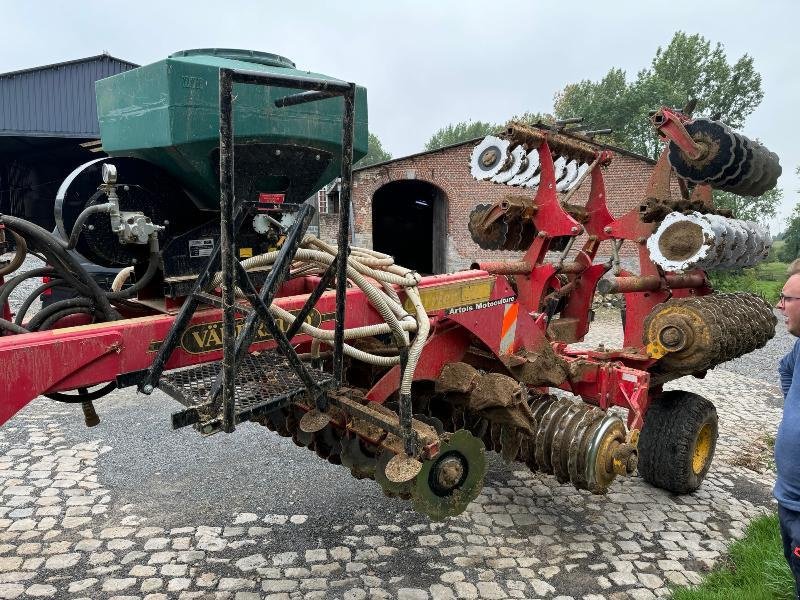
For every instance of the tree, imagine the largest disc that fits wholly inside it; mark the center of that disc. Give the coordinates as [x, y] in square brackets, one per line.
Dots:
[689, 67]
[375, 153]
[791, 237]
[469, 130]
[460, 132]
[749, 208]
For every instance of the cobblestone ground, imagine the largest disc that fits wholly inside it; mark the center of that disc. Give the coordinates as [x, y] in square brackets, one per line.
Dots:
[74, 523]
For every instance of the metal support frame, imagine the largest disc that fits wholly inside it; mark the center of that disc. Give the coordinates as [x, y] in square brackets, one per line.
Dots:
[235, 347]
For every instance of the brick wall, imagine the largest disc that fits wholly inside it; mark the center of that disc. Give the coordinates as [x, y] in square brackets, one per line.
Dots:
[626, 180]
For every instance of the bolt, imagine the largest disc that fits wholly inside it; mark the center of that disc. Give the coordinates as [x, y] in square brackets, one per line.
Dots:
[277, 152]
[147, 389]
[166, 222]
[575, 230]
[607, 229]
[90, 227]
[126, 187]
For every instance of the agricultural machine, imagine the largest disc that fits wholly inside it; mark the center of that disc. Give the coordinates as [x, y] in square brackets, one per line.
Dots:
[239, 315]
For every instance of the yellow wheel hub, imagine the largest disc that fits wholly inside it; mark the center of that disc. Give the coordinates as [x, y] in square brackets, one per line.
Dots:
[702, 448]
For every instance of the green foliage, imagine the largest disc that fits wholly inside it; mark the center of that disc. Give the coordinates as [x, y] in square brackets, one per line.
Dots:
[756, 569]
[750, 208]
[689, 67]
[791, 236]
[776, 251]
[766, 280]
[375, 153]
[460, 132]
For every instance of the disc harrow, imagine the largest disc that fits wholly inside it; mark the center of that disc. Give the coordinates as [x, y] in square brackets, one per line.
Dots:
[439, 486]
[729, 161]
[514, 160]
[690, 335]
[707, 241]
[576, 442]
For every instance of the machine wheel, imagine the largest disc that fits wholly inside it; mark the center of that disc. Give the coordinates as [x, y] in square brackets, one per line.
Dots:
[677, 442]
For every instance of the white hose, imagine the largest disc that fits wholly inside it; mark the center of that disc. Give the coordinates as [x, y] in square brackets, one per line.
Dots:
[363, 267]
[121, 278]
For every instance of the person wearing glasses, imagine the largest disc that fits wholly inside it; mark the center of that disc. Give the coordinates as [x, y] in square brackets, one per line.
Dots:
[787, 484]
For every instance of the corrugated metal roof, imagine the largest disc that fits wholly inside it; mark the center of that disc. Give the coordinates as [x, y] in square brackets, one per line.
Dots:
[55, 100]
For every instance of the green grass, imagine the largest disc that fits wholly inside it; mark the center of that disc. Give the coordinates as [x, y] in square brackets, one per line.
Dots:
[766, 280]
[755, 569]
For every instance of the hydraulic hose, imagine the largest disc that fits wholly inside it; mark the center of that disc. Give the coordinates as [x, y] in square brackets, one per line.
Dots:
[87, 212]
[19, 256]
[23, 310]
[57, 316]
[12, 327]
[12, 283]
[47, 242]
[152, 269]
[36, 321]
[121, 278]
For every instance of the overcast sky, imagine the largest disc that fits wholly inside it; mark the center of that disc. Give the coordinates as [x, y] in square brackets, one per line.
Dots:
[426, 64]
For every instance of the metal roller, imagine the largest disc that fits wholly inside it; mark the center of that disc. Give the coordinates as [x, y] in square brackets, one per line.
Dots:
[689, 335]
[578, 443]
[698, 241]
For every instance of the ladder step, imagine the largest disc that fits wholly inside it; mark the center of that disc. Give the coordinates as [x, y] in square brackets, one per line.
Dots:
[264, 382]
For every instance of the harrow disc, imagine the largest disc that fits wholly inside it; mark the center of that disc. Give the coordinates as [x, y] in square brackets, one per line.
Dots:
[719, 143]
[570, 175]
[492, 237]
[531, 169]
[518, 158]
[489, 157]
[448, 482]
[362, 465]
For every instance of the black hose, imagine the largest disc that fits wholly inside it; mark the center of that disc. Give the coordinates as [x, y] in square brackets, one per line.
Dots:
[32, 298]
[54, 318]
[45, 241]
[40, 317]
[81, 398]
[13, 327]
[8, 286]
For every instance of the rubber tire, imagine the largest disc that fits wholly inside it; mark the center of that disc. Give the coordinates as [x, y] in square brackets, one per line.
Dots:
[667, 441]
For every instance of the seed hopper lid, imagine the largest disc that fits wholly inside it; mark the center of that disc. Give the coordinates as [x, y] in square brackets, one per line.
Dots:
[253, 56]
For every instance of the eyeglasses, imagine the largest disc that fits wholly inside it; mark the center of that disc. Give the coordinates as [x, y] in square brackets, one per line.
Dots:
[783, 298]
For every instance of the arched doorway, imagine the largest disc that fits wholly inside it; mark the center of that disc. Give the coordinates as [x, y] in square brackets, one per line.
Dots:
[409, 221]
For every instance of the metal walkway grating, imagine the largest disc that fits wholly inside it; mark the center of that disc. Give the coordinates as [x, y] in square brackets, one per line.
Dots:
[264, 381]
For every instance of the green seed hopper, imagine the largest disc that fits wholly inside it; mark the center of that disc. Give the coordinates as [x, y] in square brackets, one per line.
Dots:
[167, 113]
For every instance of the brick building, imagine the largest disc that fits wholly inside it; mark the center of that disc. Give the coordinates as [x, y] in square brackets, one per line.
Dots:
[417, 207]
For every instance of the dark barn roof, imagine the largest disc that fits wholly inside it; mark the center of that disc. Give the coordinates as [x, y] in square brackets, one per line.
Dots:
[55, 100]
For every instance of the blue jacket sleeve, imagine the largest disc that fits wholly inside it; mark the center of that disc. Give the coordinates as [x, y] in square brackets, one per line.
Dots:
[786, 368]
